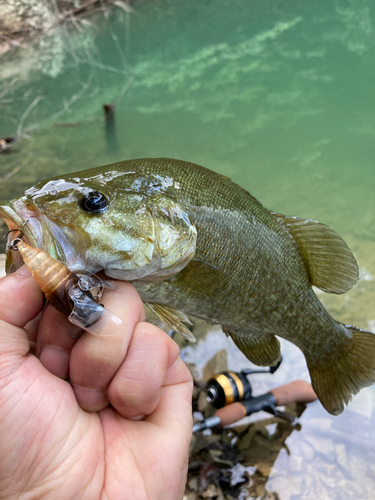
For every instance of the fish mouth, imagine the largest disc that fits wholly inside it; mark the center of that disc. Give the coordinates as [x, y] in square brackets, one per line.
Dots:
[25, 221]
[20, 224]
[38, 232]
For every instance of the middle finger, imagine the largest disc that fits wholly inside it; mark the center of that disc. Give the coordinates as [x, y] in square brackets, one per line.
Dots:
[95, 360]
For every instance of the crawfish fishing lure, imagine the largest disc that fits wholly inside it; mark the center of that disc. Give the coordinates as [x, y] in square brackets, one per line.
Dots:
[68, 292]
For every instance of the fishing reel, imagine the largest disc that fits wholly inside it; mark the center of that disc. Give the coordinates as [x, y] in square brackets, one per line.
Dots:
[231, 394]
[229, 387]
[297, 391]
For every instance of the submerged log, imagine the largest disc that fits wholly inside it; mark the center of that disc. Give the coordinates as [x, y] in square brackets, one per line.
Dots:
[110, 128]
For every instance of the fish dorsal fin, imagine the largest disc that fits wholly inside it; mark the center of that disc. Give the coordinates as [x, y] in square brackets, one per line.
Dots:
[173, 319]
[330, 263]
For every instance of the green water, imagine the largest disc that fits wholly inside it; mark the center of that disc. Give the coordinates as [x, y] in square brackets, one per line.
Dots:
[278, 95]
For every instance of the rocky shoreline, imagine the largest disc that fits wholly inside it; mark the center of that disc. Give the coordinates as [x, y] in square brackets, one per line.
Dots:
[21, 20]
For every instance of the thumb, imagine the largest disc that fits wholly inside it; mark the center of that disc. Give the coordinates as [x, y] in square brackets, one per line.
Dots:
[21, 300]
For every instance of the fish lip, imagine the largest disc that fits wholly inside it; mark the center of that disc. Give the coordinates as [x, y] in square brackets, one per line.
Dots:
[25, 217]
[14, 220]
[41, 232]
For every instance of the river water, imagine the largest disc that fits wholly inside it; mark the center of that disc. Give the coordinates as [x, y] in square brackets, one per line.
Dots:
[278, 95]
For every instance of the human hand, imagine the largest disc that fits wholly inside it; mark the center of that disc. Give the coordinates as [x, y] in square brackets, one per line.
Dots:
[50, 447]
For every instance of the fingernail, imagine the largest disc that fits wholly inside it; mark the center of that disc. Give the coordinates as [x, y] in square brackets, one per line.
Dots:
[56, 360]
[90, 399]
[23, 272]
[138, 417]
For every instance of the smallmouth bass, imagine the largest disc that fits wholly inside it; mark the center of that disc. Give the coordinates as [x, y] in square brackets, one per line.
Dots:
[194, 243]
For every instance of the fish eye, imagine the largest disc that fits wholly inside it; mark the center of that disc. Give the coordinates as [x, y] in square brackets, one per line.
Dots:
[94, 202]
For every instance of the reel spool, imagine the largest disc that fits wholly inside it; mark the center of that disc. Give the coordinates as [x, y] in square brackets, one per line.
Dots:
[229, 387]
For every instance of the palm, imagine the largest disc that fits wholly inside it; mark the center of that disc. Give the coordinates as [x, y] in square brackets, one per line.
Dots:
[50, 445]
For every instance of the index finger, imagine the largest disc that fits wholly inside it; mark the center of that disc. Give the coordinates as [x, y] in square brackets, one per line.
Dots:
[21, 298]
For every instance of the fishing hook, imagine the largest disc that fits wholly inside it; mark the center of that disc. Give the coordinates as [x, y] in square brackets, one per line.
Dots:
[13, 244]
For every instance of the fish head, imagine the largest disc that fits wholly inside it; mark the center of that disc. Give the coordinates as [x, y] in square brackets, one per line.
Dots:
[91, 224]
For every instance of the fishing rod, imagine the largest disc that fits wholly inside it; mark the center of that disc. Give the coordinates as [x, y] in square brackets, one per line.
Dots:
[297, 391]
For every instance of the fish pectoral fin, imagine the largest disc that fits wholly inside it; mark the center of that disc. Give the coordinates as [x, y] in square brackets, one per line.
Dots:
[173, 319]
[13, 262]
[346, 372]
[262, 350]
[330, 263]
[202, 279]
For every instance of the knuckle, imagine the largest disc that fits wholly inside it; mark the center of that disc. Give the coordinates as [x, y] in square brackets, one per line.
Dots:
[126, 297]
[174, 352]
[133, 396]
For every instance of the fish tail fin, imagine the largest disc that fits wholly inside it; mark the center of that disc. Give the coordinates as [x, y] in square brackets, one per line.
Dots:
[337, 379]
